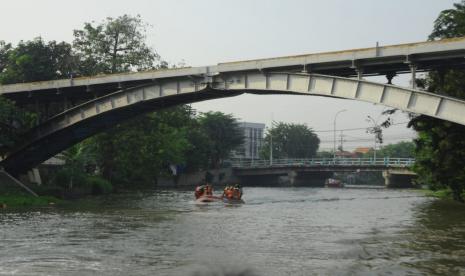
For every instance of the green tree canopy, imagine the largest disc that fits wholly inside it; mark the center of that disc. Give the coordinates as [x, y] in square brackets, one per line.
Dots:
[223, 134]
[290, 141]
[440, 154]
[4, 52]
[13, 123]
[450, 23]
[141, 149]
[35, 60]
[398, 150]
[115, 45]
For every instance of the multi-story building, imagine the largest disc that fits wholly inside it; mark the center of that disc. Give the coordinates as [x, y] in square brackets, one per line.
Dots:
[253, 140]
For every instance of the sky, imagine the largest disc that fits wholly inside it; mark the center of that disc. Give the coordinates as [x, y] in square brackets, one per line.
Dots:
[207, 32]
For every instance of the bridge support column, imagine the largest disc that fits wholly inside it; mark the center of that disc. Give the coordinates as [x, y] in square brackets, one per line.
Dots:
[34, 176]
[413, 72]
[399, 179]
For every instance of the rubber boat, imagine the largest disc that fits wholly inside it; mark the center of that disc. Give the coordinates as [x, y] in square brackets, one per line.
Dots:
[233, 201]
[231, 195]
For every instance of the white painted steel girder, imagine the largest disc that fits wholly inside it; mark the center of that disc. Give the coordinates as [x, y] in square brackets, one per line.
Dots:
[406, 99]
[415, 101]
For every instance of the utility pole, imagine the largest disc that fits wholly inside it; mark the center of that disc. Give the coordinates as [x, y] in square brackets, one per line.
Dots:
[335, 116]
[342, 140]
[375, 129]
[271, 140]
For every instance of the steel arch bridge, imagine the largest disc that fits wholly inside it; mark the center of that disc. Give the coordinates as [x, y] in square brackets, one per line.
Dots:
[152, 91]
[85, 120]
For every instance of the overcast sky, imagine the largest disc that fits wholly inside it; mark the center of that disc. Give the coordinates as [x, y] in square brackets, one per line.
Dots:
[205, 32]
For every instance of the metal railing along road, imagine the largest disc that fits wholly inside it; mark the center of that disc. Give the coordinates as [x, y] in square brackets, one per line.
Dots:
[324, 162]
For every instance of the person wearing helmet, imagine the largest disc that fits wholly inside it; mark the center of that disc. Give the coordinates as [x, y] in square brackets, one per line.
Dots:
[199, 191]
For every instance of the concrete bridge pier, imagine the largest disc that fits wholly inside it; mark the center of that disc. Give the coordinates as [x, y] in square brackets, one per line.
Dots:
[398, 178]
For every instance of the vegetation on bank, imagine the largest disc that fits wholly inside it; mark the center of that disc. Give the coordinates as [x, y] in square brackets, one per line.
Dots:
[445, 193]
[22, 200]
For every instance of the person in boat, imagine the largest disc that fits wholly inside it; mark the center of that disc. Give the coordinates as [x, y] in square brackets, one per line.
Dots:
[203, 190]
[232, 192]
[227, 192]
[208, 190]
[237, 192]
[199, 191]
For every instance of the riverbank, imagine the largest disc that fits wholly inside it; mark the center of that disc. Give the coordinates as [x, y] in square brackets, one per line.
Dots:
[21, 200]
[441, 194]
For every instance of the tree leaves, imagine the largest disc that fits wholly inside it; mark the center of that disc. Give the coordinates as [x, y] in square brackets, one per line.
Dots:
[115, 45]
[290, 141]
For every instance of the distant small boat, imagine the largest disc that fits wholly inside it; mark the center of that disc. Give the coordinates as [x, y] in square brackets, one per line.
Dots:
[333, 183]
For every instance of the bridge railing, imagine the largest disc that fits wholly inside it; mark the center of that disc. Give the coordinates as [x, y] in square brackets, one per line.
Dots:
[385, 161]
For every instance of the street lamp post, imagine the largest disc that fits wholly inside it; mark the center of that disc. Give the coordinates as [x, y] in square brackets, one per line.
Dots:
[374, 131]
[271, 147]
[335, 116]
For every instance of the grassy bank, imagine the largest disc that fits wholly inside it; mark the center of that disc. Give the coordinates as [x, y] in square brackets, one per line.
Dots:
[442, 194]
[21, 200]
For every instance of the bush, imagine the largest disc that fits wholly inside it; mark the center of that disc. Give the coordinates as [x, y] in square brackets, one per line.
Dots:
[18, 200]
[80, 183]
[99, 185]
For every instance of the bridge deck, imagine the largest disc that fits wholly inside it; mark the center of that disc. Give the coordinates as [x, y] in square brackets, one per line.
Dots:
[374, 61]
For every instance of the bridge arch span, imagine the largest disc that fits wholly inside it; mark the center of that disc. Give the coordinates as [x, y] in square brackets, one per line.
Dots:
[85, 120]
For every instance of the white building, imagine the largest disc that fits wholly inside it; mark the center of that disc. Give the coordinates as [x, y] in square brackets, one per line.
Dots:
[253, 140]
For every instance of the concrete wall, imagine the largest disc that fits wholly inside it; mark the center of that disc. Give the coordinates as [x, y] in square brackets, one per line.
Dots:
[290, 178]
[220, 177]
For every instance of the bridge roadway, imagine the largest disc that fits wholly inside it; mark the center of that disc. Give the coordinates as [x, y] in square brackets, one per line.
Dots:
[279, 166]
[314, 172]
[380, 60]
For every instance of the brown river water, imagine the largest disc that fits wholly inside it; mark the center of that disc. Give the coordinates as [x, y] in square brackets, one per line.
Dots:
[279, 231]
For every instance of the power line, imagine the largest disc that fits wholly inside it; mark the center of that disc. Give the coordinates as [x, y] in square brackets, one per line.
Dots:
[351, 129]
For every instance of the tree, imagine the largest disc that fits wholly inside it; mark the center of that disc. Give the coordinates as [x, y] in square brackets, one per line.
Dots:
[440, 154]
[4, 52]
[143, 148]
[401, 150]
[223, 134]
[450, 23]
[290, 141]
[13, 123]
[35, 60]
[115, 45]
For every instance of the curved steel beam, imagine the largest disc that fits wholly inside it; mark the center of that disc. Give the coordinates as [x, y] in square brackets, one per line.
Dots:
[80, 122]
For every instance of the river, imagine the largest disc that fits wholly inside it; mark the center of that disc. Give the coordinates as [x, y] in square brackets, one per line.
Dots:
[279, 231]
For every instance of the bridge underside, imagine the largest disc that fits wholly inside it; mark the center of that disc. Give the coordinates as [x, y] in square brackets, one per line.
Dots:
[40, 150]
